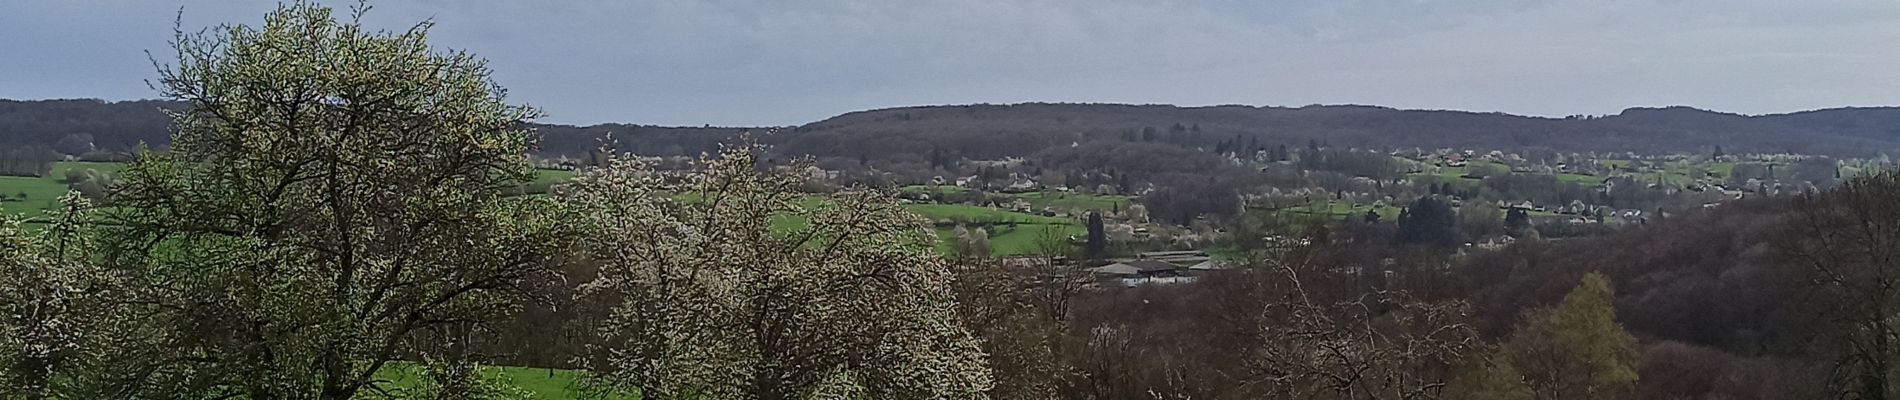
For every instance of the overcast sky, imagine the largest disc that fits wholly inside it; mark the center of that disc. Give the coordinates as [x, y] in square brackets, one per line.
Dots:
[771, 62]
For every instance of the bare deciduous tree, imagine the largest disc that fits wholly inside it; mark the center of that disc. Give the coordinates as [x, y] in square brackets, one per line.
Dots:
[1848, 239]
[1356, 344]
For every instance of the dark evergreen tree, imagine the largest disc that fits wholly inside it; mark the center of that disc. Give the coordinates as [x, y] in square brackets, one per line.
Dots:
[1516, 221]
[1431, 222]
[1098, 236]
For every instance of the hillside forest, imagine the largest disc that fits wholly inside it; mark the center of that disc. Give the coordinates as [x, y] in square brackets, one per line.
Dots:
[314, 209]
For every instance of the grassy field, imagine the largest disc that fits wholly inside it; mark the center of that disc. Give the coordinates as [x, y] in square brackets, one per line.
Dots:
[1722, 169]
[1011, 233]
[1455, 175]
[1677, 173]
[1580, 179]
[1007, 240]
[1444, 174]
[32, 196]
[933, 189]
[552, 176]
[41, 193]
[1076, 201]
[1457, 181]
[1338, 209]
[542, 383]
[1062, 200]
[960, 212]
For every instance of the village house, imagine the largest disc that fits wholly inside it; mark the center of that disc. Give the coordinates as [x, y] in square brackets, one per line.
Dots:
[1020, 186]
[1210, 265]
[1178, 257]
[1134, 273]
[1496, 242]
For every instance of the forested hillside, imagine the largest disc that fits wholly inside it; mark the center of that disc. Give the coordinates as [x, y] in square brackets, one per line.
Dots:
[387, 233]
[78, 125]
[997, 131]
[990, 131]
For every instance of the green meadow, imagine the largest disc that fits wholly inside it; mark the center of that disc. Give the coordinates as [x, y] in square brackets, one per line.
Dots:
[1076, 201]
[33, 196]
[540, 383]
[1011, 233]
[1338, 209]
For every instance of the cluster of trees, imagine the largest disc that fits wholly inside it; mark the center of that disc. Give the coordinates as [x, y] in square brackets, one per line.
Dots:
[90, 183]
[1370, 164]
[996, 131]
[80, 126]
[31, 161]
[1757, 299]
[277, 252]
[1248, 129]
[1761, 299]
[712, 303]
[1299, 321]
[1430, 221]
[1180, 199]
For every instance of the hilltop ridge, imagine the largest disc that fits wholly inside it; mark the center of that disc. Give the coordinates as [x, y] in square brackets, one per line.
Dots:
[981, 131]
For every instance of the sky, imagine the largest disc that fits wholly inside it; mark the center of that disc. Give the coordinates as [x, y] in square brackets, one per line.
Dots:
[774, 62]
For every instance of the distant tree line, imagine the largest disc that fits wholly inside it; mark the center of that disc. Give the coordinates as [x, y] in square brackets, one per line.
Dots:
[934, 134]
[289, 255]
[27, 161]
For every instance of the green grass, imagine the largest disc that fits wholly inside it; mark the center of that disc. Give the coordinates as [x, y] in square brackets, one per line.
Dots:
[1060, 200]
[552, 176]
[559, 384]
[544, 181]
[1675, 173]
[1672, 174]
[1458, 181]
[1076, 201]
[1338, 209]
[933, 189]
[1580, 179]
[42, 193]
[1006, 239]
[969, 213]
[1722, 169]
[1445, 173]
[1453, 174]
